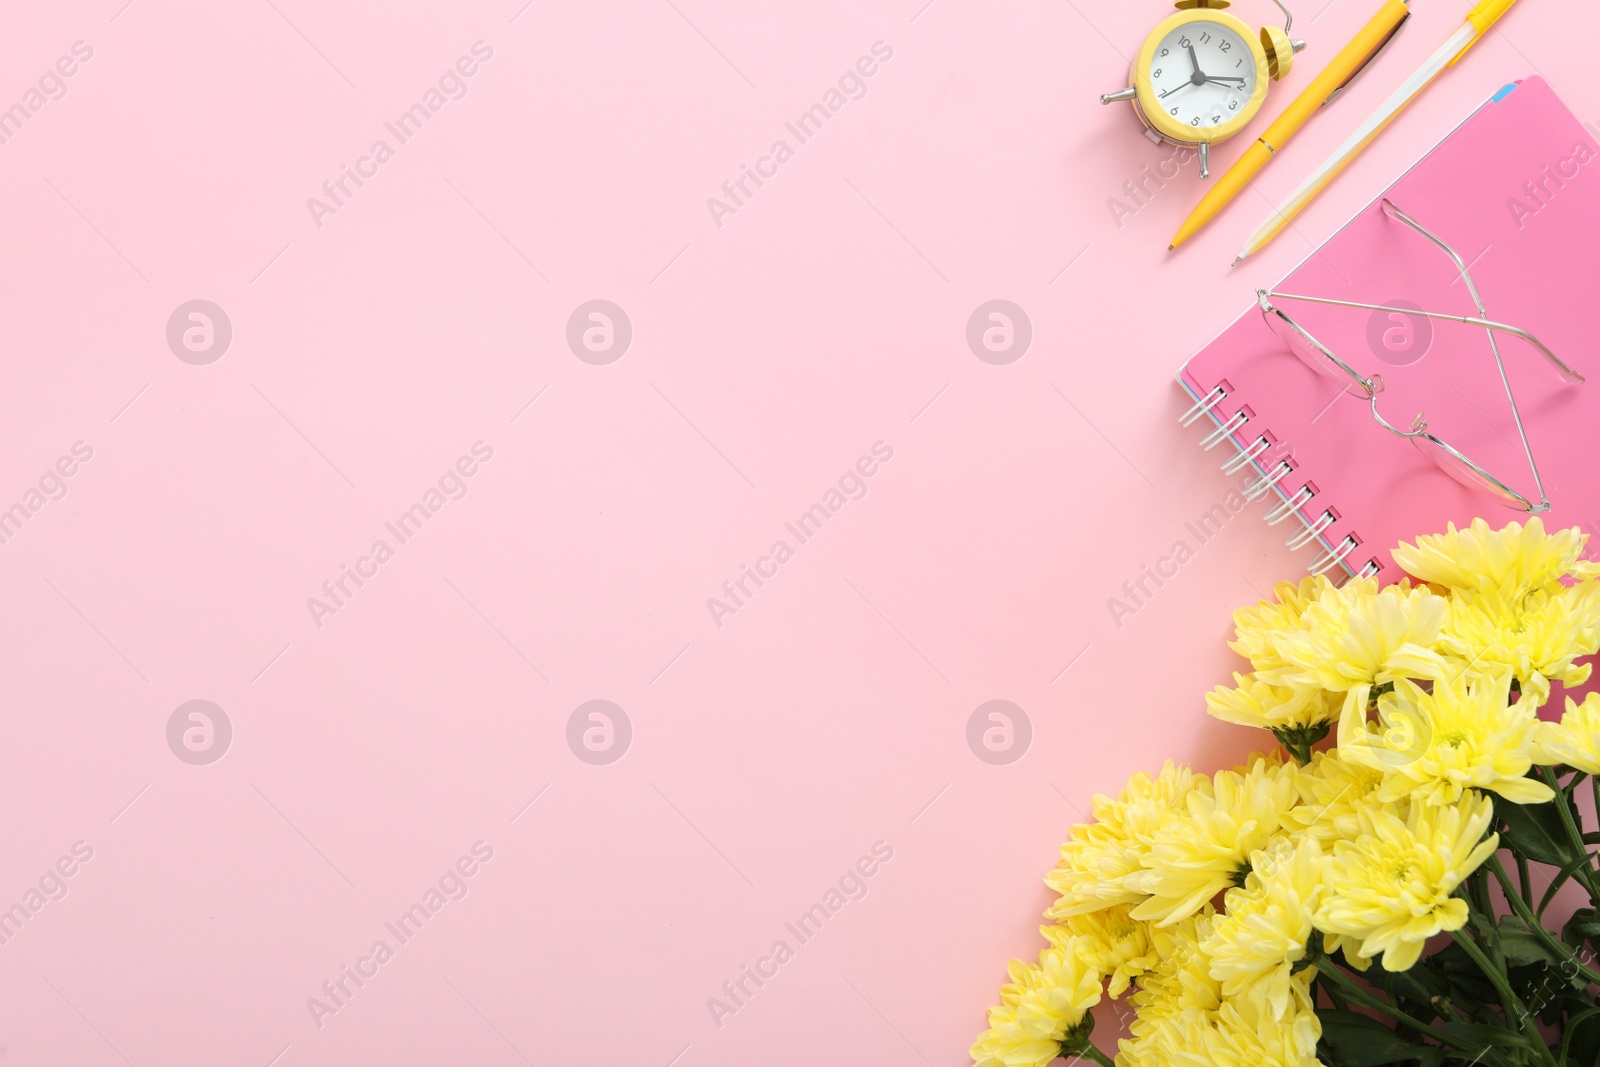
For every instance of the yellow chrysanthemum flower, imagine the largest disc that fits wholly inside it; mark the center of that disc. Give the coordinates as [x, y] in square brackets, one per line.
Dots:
[1367, 843]
[1182, 981]
[1244, 1033]
[1537, 637]
[1575, 740]
[1203, 849]
[1272, 707]
[1237, 1032]
[1265, 923]
[1037, 1007]
[1158, 1042]
[1391, 888]
[1175, 998]
[1434, 746]
[1359, 634]
[1332, 790]
[1256, 629]
[1513, 561]
[1098, 858]
[1115, 944]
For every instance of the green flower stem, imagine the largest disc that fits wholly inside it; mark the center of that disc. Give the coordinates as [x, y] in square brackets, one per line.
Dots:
[1477, 886]
[1594, 786]
[1520, 906]
[1089, 1052]
[1509, 1001]
[1524, 878]
[1326, 968]
[1571, 1028]
[1332, 991]
[1560, 879]
[1585, 873]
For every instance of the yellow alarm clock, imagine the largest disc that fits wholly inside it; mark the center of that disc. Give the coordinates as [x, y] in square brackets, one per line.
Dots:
[1202, 75]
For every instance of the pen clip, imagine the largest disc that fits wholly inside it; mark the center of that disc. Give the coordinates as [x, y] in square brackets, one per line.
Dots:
[1376, 52]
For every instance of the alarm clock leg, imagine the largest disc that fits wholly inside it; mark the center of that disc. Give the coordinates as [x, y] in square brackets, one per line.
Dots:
[1205, 159]
[1120, 94]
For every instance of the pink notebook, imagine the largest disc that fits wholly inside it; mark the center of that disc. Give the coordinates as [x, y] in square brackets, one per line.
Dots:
[1516, 191]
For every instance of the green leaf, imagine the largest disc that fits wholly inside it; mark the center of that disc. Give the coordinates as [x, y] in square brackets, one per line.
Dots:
[1583, 926]
[1476, 1034]
[1585, 1041]
[1540, 987]
[1469, 988]
[1560, 879]
[1535, 830]
[1361, 1041]
[1417, 989]
[1521, 945]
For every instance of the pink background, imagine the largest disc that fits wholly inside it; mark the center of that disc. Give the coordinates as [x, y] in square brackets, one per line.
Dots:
[768, 354]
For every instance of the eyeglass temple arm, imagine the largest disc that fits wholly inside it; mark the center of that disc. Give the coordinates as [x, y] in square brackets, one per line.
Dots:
[1566, 372]
[1394, 212]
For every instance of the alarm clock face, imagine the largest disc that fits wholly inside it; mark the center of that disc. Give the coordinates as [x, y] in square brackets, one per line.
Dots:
[1203, 74]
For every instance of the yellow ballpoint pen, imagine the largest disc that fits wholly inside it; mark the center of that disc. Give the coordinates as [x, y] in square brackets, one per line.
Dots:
[1351, 60]
[1479, 19]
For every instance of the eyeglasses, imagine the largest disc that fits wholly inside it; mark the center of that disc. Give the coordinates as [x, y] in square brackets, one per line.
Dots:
[1451, 460]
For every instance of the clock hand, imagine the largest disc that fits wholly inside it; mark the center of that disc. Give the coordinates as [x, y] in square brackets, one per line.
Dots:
[1194, 60]
[1174, 89]
[1220, 81]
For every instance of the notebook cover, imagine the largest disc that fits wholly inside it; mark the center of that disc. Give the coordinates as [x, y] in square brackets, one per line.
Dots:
[1516, 191]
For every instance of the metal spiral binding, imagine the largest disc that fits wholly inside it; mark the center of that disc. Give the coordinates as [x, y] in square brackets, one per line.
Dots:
[1262, 484]
[1223, 432]
[1309, 534]
[1202, 406]
[1290, 505]
[1368, 569]
[1237, 463]
[1328, 560]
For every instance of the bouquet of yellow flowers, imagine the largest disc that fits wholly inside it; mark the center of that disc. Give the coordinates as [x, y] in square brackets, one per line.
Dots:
[1240, 914]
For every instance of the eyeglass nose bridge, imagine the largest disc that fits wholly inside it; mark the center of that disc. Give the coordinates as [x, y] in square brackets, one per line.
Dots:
[1419, 421]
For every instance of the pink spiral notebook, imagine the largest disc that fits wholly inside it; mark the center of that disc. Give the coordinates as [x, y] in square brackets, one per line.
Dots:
[1516, 191]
